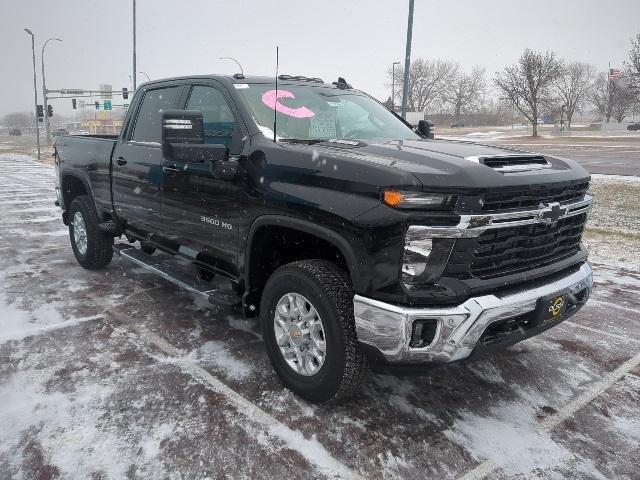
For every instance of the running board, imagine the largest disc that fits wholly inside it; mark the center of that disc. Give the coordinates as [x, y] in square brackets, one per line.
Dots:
[174, 275]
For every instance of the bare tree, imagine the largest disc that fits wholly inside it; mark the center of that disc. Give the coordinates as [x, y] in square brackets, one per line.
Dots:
[574, 86]
[622, 99]
[633, 65]
[600, 96]
[463, 93]
[528, 83]
[428, 81]
[613, 98]
[17, 120]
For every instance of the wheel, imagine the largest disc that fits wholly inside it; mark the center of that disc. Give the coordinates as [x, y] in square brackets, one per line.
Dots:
[148, 249]
[91, 246]
[309, 332]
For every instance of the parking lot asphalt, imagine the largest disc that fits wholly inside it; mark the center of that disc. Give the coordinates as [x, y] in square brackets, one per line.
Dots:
[605, 155]
[120, 374]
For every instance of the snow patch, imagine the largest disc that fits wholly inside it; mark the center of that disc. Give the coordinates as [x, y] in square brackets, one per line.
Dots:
[510, 439]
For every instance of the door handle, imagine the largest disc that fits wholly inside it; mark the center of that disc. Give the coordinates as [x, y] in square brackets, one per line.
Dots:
[121, 161]
[171, 168]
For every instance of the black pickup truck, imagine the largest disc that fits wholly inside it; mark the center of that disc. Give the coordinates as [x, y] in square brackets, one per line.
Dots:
[358, 240]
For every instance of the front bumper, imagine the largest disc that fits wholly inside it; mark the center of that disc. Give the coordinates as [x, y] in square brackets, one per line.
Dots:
[386, 328]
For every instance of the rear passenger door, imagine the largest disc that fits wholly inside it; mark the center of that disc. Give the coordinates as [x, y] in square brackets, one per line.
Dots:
[137, 163]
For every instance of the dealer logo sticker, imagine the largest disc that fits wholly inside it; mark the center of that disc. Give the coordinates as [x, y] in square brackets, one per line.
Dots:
[556, 306]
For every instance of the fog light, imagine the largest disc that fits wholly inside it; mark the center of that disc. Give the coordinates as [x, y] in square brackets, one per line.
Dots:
[423, 333]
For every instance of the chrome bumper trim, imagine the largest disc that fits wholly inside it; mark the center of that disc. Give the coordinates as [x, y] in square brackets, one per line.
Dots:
[387, 327]
[475, 225]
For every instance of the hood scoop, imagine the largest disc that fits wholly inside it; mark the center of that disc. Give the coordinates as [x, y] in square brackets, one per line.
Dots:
[512, 163]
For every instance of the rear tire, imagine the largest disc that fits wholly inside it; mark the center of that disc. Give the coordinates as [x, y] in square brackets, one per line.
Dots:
[326, 299]
[92, 248]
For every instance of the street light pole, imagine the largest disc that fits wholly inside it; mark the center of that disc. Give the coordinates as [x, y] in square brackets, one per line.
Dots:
[407, 61]
[35, 87]
[146, 75]
[393, 84]
[134, 46]
[44, 93]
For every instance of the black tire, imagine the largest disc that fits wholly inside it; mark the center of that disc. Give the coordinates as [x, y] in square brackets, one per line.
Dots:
[329, 290]
[99, 248]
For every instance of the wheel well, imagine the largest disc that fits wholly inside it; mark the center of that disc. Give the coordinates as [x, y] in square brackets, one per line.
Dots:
[273, 246]
[71, 188]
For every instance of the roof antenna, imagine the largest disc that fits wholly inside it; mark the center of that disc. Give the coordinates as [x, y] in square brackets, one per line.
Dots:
[275, 102]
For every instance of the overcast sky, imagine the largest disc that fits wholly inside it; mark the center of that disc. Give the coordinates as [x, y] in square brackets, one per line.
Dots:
[356, 39]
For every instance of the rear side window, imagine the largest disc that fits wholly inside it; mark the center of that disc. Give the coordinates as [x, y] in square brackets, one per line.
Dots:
[148, 126]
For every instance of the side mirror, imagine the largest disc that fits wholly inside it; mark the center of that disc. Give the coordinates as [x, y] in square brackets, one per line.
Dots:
[183, 141]
[425, 128]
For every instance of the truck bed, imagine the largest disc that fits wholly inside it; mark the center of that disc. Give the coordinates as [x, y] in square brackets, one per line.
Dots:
[80, 154]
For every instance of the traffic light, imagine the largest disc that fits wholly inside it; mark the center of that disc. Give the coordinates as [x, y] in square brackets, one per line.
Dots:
[73, 103]
[49, 110]
[125, 93]
[39, 111]
[97, 105]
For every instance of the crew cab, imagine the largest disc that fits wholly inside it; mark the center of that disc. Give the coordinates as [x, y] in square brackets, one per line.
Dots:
[358, 240]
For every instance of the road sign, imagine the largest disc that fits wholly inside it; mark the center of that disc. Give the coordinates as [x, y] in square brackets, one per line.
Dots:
[126, 105]
[107, 104]
[81, 103]
[97, 105]
[71, 91]
[106, 90]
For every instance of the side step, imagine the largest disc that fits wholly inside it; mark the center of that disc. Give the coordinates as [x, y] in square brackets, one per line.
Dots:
[182, 279]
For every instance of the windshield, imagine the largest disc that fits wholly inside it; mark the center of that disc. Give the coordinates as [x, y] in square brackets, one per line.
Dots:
[313, 113]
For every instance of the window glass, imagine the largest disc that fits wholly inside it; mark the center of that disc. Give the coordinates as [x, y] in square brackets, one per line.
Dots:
[319, 112]
[148, 126]
[219, 124]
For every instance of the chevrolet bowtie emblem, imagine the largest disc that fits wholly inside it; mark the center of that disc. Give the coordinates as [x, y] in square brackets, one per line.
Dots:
[551, 212]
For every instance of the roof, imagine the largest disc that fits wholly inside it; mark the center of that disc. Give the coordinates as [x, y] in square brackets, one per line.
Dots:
[231, 79]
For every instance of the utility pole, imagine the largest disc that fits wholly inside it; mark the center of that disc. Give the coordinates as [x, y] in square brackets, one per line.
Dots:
[407, 61]
[134, 46]
[47, 123]
[35, 87]
[393, 85]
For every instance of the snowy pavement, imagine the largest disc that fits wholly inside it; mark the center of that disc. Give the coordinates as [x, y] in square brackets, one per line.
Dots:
[119, 374]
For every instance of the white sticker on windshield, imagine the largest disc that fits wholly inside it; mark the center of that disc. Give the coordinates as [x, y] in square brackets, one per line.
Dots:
[240, 86]
[323, 124]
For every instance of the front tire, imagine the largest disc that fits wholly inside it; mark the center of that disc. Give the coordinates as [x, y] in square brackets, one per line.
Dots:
[92, 248]
[309, 331]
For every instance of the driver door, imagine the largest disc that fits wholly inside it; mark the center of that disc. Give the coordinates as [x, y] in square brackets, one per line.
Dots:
[201, 210]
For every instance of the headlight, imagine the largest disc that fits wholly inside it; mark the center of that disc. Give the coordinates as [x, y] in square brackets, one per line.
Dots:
[424, 258]
[402, 199]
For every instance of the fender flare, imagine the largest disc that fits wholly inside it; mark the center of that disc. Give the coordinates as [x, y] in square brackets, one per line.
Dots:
[85, 182]
[307, 227]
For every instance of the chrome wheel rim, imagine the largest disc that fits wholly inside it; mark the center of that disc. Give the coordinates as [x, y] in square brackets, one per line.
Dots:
[80, 233]
[300, 334]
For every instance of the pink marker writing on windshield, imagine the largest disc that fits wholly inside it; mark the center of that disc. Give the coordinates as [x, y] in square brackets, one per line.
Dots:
[272, 101]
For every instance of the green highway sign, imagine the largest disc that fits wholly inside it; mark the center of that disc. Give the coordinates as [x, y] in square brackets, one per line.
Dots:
[107, 104]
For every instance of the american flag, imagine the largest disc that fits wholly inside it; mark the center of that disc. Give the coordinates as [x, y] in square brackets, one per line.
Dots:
[615, 74]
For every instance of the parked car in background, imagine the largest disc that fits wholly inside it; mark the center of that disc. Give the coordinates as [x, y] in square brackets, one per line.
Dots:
[633, 126]
[457, 124]
[15, 132]
[60, 131]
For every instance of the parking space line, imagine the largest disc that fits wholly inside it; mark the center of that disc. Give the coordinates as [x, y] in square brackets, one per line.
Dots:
[312, 450]
[564, 412]
[614, 305]
[602, 332]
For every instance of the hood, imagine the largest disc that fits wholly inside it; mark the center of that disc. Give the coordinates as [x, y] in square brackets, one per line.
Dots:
[448, 164]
